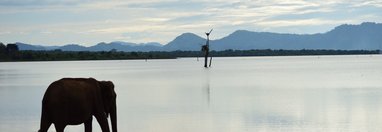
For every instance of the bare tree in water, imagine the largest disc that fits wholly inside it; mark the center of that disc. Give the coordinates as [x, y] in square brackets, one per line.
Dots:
[206, 49]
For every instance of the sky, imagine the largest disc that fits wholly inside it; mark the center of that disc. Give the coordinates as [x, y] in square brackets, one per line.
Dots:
[88, 22]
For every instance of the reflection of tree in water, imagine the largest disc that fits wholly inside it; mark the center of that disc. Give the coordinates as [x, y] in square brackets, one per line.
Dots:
[208, 91]
[206, 87]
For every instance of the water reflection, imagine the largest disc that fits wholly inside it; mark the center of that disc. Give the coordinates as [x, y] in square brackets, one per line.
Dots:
[207, 85]
[326, 93]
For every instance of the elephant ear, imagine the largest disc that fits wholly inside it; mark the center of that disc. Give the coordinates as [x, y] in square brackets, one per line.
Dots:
[108, 95]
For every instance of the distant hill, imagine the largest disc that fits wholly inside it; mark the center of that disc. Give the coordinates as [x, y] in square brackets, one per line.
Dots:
[185, 42]
[73, 47]
[119, 46]
[366, 36]
[23, 46]
[125, 46]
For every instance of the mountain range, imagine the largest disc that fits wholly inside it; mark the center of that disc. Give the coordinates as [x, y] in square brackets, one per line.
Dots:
[365, 36]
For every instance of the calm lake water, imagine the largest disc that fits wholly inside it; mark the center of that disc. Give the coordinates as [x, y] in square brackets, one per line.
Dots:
[238, 94]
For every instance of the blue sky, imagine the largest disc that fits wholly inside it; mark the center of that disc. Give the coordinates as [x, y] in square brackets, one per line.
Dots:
[87, 22]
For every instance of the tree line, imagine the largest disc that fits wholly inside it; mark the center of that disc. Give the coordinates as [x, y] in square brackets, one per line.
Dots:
[11, 52]
[8, 52]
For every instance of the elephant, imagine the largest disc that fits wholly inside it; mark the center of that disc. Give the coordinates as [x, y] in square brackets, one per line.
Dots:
[73, 101]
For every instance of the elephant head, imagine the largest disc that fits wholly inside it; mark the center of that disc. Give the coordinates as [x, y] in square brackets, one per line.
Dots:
[109, 101]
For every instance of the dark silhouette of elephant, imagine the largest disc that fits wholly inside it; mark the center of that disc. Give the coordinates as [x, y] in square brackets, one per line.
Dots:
[72, 101]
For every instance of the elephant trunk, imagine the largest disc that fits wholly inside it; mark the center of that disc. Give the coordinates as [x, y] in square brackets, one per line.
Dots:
[113, 118]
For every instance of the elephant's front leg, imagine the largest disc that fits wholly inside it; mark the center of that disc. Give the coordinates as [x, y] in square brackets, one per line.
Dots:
[102, 120]
[59, 127]
[88, 124]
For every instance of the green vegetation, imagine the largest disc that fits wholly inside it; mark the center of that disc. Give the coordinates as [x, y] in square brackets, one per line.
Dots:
[58, 55]
[10, 52]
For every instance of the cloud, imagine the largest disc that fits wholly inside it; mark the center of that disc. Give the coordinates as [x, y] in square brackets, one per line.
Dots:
[303, 22]
[4, 33]
[175, 5]
[46, 32]
[33, 2]
[165, 19]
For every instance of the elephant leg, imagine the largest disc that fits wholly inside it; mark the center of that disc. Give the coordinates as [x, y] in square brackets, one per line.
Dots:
[59, 127]
[44, 126]
[102, 120]
[45, 122]
[88, 125]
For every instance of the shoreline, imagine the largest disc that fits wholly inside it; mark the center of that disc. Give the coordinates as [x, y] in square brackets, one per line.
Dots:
[33, 56]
